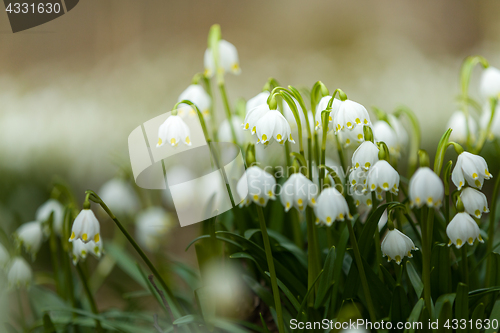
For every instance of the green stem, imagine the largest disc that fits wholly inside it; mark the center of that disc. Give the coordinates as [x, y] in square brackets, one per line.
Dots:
[325, 120]
[378, 251]
[90, 297]
[208, 86]
[53, 254]
[484, 135]
[225, 102]
[491, 230]
[21, 309]
[272, 271]
[465, 265]
[361, 269]
[313, 251]
[426, 262]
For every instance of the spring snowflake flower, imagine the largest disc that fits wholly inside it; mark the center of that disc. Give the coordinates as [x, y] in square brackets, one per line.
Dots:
[471, 168]
[196, 94]
[397, 245]
[400, 130]
[365, 155]
[490, 82]
[348, 137]
[19, 274]
[119, 196]
[225, 135]
[51, 206]
[383, 132]
[273, 126]
[173, 131]
[30, 235]
[349, 115]
[253, 116]
[331, 206]
[495, 122]
[361, 196]
[152, 225]
[383, 220]
[86, 227]
[259, 99]
[228, 59]
[475, 202]
[4, 257]
[458, 124]
[383, 177]
[461, 229]
[81, 250]
[426, 188]
[260, 184]
[357, 178]
[321, 107]
[288, 113]
[298, 191]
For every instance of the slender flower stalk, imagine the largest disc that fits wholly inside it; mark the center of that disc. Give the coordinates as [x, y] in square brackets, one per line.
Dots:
[491, 232]
[90, 297]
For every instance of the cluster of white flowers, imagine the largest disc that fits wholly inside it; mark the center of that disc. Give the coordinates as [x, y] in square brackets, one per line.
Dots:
[19, 273]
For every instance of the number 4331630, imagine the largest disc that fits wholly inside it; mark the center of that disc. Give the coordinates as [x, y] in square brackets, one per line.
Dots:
[40, 8]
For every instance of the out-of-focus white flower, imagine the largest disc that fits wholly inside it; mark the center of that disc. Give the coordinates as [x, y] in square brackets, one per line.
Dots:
[475, 202]
[400, 130]
[20, 273]
[226, 285]
[173, 131]
[383, 132]
[383, 220]
[4, 257]
[119, 196]
[298, 191]
[471, 168]
[357, 178]
[459, 126]
[323, 103]
[383, 177]
[426, 188]
[260, 184]
[397, 245]
[51, 206]
[490, 82]
[86, 227]
[461, 229]
[81, 250]
[495, 122]
[349, 115]
[228, 59]
[288, 113]
[259, 99]
[273, 126]
[331, 206]
[365, 155]
[225, 135]
[152, 225]
[31, 236]
[361, 197]
[348, 137]
[196, 94]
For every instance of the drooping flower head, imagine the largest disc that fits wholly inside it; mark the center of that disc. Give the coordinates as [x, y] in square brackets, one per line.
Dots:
[426, 188]
[19, 274]
[461, 229]
[259, 184]
[259, 99]
[323, 103]
[298, 191]
[383, 177]
[30, 235]
[400, 130]
[225, 134]
[490, 82]
[458, 123]
[196, 94]
[383, 132]
[348, 137]
[495, 122]
[152, 226]
[54, 207]
[86, 227]
[475, 202]
[173, 131]
[272, 126]
[81, 250]
[397, 245]
[349, 115]
[228, 59]
[119, 196]
[365, 155]
[470, 168]
[331, 206]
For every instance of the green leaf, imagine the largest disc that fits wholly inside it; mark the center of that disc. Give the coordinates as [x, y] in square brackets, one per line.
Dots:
[188, 319]
[462, 304]
[477, 315]
[365, 241]
[495, 314]
[339, 262]
[125, 262]
[440, 270]
[442, 299]
[388, 277]
[443, 144]
[415, 280]
[327, 280]
[415, 315]
[47, 324]
[304, 301]
[446, 315]
[259, 290]
[263, 323]
[287, 293]
[400, 307]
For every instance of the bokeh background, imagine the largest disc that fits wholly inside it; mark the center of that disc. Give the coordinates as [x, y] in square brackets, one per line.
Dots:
[73, 89]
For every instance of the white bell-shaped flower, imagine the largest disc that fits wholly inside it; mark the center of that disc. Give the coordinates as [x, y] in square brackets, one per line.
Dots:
[253, 116]
[81, 250]
[426, 188]
[119, 196]
[196, 94]
[459, 126]
[383, 177]
[259, 99]
[260, 184]
[495, 122]
[400, 130]
[461, 229]
[475, 202]
[361, 196]
[228, 59]
[152, 226]
[4, 257]
[288, 113]
[173, 131]
[383, 220]
[30, 235]
[323, 103]
[471, 168]
[383, 132]
[331, 206]
[19, 274]
[348, 137]
[365, 155]
[86, 227]
[54, 207]
[225, 135]
[273, 126]
[397, 245]
[357, 178]
[298, 191]
[349, 115]
[489, 85]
